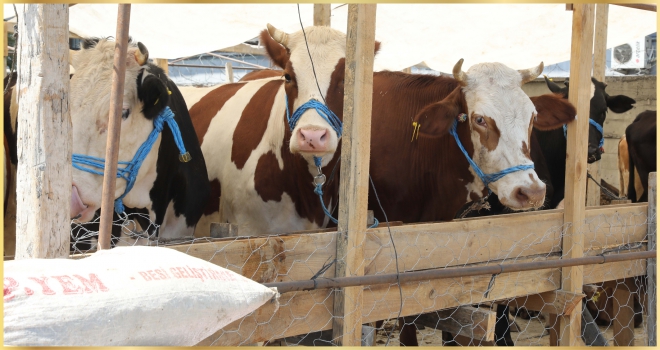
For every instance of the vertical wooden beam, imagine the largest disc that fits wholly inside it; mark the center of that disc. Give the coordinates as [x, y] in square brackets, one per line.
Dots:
[229, 71]
[576, 164]
[114, 125]
[600, 49]
[322, 15]
[652, 295]
[163, 64]
[44, 149]
[354, 187]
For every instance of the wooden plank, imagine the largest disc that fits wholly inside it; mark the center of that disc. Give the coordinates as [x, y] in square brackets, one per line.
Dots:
[556, 302]
[354, 173]
[163, 64]
[623, 326]
[229, 71]
[310, 311]
[576, 163]
[43, 188]
[422, 246]
[322, 14]
[223, 230]
[468, 321]
[652, 263]
[600, 49]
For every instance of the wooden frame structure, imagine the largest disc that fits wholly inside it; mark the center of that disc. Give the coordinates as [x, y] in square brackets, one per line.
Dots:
[358, 250]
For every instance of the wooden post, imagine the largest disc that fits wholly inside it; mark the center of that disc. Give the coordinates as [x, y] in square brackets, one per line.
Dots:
[354, 174]
[600, 49]
[114, 124]
[576, 164]
[43, 187]
[163, 64]
[322, 15]
[651, 265]
[229, 71]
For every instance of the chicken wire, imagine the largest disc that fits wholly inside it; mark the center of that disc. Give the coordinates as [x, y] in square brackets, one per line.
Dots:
[464, 304]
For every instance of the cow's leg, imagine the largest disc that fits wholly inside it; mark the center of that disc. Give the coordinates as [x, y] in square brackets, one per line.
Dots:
[502, 326]
[408, 334]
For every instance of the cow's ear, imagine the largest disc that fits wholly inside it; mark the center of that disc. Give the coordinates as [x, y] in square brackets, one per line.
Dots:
[620, 103]
[154, 95]
[376, 47]
[278, 53]
[553, 111]
[555, 88]
[436, 118]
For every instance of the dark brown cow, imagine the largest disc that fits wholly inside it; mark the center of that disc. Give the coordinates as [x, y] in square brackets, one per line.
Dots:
[642, 150]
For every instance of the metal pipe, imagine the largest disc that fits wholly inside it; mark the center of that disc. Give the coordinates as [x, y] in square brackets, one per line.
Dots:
[235, 60]
[114, 124]
[647, 7]
[214, 67]
[341, 282]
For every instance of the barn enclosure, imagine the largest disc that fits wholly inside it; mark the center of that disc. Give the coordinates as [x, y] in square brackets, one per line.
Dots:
[581, 275]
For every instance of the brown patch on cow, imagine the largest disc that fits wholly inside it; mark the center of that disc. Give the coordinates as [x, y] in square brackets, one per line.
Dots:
[278, 53]
[202, 112]
[490, 138]
[525, 150]
[253, 123]
[213, 205]
[553, 111]
[261, 74]
[101, 126]
[474, 196]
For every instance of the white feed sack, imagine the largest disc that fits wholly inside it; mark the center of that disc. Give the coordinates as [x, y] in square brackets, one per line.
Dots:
[124, 296]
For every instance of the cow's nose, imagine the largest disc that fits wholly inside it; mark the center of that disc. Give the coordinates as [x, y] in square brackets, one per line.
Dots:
[530, 197]
[313, 140]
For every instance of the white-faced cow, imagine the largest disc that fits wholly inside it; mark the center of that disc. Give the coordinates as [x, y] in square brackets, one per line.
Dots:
[262, 139]
[163, 169]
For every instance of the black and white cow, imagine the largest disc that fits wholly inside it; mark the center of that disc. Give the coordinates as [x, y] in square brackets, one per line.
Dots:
[173, 189]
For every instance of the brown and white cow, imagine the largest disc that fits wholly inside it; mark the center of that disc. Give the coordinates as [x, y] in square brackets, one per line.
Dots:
[260, 169]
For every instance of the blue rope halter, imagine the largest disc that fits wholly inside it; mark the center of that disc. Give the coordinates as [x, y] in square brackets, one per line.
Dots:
[485, 178]
[336, 125]
[601, 143]
[129, 170]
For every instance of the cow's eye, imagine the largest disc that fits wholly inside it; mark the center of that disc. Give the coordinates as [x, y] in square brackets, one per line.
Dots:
[125, 112]
[287, 77]
[481, 121]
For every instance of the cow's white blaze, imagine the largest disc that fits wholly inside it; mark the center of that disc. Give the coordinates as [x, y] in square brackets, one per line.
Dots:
[494, 91]
[326, 47]
[89, 102]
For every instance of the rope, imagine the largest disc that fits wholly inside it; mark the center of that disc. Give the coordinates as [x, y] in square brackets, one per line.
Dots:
[320, 108]
[605, 190]
[129, 170]
[601, 143]
[487, 179]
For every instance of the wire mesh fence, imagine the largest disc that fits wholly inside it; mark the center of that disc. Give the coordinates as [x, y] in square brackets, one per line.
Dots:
[508, 308]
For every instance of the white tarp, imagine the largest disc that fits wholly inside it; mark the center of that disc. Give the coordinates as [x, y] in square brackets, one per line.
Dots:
[518, 35]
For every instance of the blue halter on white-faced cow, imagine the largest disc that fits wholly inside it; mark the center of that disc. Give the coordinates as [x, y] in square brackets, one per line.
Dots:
[265, 140]
[161, 165]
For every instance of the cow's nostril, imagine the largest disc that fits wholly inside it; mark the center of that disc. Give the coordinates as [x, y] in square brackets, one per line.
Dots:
[323, 136]
[521, 196]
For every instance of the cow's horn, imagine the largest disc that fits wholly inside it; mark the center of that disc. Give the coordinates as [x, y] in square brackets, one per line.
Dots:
[141, 54]
[459, 74]
[279, 36]
[528, 75]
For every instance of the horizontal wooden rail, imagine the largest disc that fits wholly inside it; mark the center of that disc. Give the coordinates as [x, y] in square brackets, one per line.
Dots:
[341, 282]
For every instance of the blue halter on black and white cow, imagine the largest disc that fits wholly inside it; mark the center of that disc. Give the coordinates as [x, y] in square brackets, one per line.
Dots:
[167, 174]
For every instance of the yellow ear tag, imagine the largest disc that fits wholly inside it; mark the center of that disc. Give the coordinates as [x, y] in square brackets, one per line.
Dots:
[169, 92]
[155, 103]
[416, 127]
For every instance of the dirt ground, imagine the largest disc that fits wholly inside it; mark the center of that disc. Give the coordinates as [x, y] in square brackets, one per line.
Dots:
[532, 333]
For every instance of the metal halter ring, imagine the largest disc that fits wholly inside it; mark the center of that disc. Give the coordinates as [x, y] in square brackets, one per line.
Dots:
[319, 179]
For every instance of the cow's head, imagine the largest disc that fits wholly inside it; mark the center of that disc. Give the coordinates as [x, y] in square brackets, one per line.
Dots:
[313, 69]
[145, 96]
[599, 103]
[500, 117]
